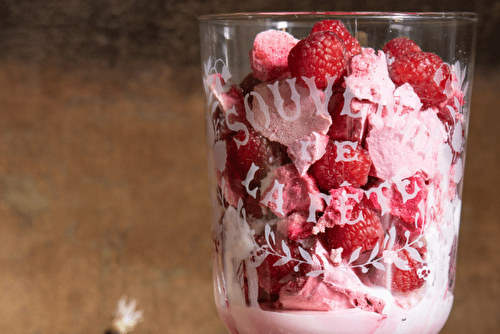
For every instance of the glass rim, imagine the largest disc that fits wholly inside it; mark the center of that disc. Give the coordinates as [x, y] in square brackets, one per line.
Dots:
[246, 16]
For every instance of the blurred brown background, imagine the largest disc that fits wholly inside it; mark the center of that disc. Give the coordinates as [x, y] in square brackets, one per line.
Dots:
[103, 189]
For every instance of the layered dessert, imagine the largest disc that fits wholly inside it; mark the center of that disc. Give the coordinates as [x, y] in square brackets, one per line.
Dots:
[338, 169]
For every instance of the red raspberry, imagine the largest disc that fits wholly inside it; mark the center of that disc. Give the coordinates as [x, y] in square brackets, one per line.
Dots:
[320, 55]
[406, 280]
[272, 277]
[400, 46]
[426, 73]
[257, 150]
[351, 165]
[404, 201]
[400, 280]
[345, 126]
[254, 151]
[351, 44]
[230, 185]
[366, 233]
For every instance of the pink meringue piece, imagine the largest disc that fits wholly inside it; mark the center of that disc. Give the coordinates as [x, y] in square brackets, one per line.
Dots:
[406, 100]
[306, 151]
[369, 78]
[405, 145]
[312, 294]
[286, 111]
[339, 209]
[228, 114]
[338, 289]
[226, 92]
[269, 56]
[289, 192]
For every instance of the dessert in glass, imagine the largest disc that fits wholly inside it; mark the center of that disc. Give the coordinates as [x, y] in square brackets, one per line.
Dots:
[336, 147]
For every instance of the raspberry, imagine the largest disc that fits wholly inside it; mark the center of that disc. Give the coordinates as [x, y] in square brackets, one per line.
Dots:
[426, 73]
[351, 44]
[406, 280]
[272, 277]
[406, 234]
[350, 166]
[257, 150]
[404, 199]
[320, 55]
[448, 115]
[345, 126]
[400, 46]
[401, 280]
[229, 182]
[405, 202]
[366, 233]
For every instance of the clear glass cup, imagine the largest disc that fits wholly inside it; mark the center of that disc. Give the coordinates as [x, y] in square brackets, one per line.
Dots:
[336, 146]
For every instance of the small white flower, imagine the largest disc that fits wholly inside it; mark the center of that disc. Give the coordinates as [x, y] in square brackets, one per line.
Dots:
[126, 317]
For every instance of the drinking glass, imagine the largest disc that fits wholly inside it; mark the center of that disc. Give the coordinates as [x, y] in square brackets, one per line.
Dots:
[336, 148]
